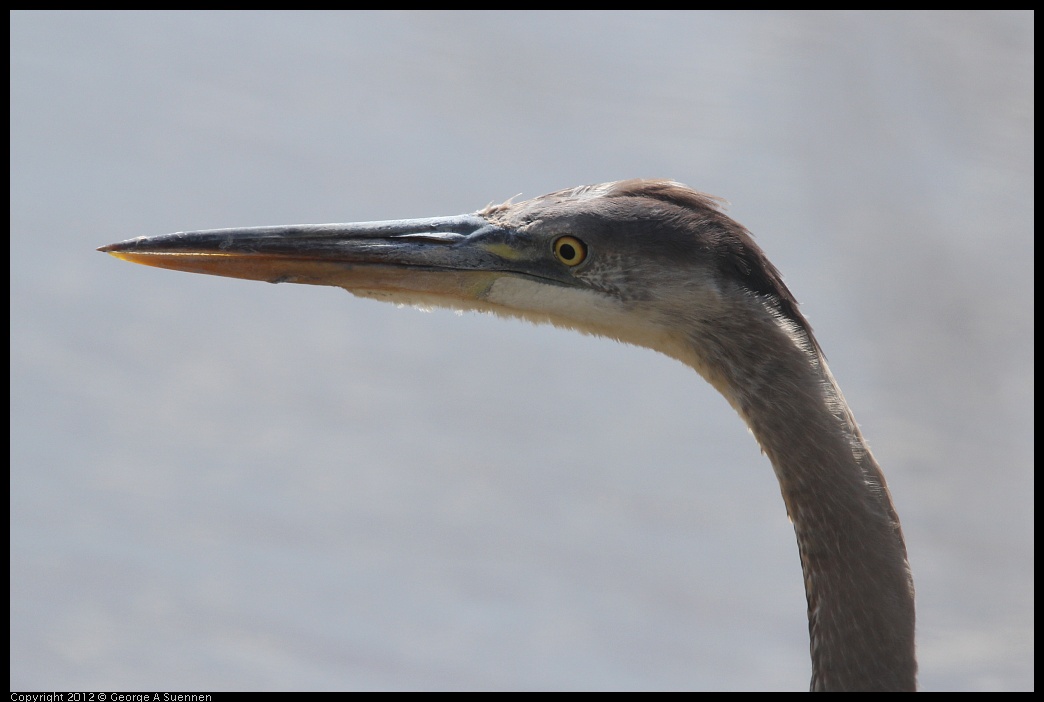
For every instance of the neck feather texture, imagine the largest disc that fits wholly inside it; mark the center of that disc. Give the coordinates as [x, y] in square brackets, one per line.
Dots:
[857, 578]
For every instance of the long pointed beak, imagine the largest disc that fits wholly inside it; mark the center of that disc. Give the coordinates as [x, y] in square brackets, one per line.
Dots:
[445, 257]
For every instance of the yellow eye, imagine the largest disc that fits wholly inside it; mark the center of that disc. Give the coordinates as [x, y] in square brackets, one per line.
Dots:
[570, 250]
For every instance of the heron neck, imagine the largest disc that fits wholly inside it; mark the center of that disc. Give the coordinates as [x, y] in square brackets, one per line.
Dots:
[857, 579]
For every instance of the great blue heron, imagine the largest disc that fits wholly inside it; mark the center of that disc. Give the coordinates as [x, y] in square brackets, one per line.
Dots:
[652, 263]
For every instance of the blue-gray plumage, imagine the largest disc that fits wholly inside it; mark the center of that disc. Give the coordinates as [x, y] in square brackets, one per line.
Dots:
[656, 264]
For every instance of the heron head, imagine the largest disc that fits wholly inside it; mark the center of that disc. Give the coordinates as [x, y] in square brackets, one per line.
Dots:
[642, 261]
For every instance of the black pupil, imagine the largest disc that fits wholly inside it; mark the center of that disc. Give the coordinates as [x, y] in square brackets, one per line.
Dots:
[567, 251]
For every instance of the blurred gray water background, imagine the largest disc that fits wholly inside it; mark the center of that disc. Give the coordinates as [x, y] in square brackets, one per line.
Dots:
[219, 484]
